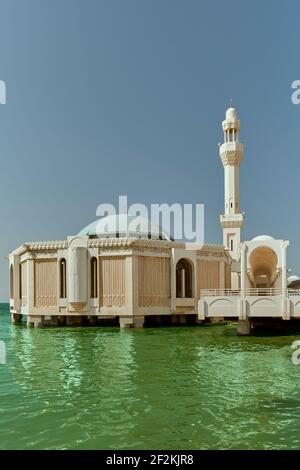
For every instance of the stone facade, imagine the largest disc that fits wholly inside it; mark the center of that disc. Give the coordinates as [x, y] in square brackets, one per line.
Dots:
[59, 282]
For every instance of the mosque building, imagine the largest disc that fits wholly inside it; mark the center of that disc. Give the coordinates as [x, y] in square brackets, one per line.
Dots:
[141, 277]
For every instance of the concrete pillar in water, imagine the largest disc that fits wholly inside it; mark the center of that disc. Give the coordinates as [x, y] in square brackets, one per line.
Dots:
[16, 318]
[77, 320]
[54, 320]
[34, 320]
[70, 320]
[92, 320]
[136, 321]
[243, 328]
[216, 319]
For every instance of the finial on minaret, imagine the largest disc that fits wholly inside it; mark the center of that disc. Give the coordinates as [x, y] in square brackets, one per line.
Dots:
[230, 103]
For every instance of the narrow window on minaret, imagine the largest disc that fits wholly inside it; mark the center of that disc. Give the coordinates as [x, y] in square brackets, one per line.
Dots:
[231, 245]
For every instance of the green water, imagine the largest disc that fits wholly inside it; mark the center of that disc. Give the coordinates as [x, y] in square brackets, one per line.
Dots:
[168, 388]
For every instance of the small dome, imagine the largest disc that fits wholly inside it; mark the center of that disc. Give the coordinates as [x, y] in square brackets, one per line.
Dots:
[124, 226]
[262, 238]
[231, 114]
[293, 282]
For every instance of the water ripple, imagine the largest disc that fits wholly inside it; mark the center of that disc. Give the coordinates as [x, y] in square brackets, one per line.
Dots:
[170, 388]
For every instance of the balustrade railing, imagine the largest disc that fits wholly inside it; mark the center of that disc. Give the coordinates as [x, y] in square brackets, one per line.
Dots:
[265, 292]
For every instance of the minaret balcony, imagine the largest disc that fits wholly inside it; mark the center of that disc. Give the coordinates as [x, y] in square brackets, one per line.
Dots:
[232, 220]
[231, 153]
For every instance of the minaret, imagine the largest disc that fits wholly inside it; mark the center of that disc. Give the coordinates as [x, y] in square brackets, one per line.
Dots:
[231, 153]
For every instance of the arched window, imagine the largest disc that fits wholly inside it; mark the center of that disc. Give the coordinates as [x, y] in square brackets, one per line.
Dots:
[11, 281]
[94, 278]
[62, 278]
[184, 279]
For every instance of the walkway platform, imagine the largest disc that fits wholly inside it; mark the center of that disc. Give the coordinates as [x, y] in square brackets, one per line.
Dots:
[249, 303]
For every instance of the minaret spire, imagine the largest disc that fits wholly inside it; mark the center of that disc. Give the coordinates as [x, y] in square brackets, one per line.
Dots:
[232, 153]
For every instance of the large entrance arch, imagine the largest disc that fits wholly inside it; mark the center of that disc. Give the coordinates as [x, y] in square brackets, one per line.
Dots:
[263, 263]
[184, 278]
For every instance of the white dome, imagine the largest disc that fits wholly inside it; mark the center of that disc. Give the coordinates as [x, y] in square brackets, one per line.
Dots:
[293, 278]
[124, 226]
[262, 238]
[231, 114]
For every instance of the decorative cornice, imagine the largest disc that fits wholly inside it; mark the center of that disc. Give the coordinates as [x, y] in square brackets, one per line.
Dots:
[99, 243]
[215, 248]
[148, 244]
[47, 245]
[132, 242]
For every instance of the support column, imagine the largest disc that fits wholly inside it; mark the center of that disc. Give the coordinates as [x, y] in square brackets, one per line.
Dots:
[132, 288]
[16, 318]
[131, 322]
[201, 309]
[54, 320]
[35, 321]
[243, 328]
[283, 268]
[70, 320]
[92, 320]
[243, 267]
[16, 283]
[242, 304]
[173, 281]
[30, 285]
[284, 293]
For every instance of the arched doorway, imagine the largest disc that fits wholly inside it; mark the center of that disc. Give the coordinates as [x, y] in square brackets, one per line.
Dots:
[184, 278]
[263, 263]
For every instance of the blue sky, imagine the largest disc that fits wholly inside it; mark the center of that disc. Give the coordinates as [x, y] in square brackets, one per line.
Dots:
[127, 97]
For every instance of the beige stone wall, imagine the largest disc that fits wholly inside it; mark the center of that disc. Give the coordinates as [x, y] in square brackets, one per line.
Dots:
[24, 283]
[154, 281]
[112, 281]
[227, 276]
[45, 283]
[208, 275]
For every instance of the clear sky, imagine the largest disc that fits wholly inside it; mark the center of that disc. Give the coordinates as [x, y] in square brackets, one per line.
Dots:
[127, 97]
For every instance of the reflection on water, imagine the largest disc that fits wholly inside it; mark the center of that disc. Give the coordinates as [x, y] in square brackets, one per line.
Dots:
[168, 388]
